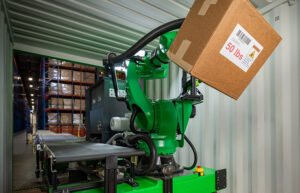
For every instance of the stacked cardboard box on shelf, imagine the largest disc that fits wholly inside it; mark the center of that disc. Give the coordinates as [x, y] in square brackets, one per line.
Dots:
[54, 88]
[67, 64]
[55, 103]
[79, 90]
[77, 118]
[89, 77]
[66, 75]
[79, 104]
[91, 68]
[67, 89]
[53, 73]
[53, 118]
[60, 89]
[69, 102]
[78, 76]
[54, 61]
[66, 118]
[84, 67]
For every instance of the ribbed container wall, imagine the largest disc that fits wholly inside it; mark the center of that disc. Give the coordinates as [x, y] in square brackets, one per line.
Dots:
[6, 106]
[257, 138]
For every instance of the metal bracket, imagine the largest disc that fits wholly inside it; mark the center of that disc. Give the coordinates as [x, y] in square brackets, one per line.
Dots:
[221, 179]
[110, 180]
[275, 4]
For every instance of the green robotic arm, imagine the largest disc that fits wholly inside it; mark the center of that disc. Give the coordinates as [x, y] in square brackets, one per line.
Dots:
[159, 126]
[163, 122]
[161, 119]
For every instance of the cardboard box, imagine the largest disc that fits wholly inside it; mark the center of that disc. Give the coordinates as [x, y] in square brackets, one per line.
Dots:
[79, 90]
[55, 103]
[66, 118]
[89, 77]
[67, 103]
[91, 68]
[54, 88]
[54, 61]
[66, 74]
[67, 89]
[84, 67]
[77, 118]
[77, 66]
[79, 104]
[77, 76]
[66, 64]
[52, 118]
[224, 43]
[53, 73]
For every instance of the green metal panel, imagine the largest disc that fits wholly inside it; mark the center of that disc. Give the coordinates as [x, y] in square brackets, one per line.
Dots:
[5, 107]
[189, 183]
[2, 126]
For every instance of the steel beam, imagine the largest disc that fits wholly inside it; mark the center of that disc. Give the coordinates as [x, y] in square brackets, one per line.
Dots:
[275, 4]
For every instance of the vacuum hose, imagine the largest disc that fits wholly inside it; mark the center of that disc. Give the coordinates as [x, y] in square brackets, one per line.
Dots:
[114, 137]
[153, 153]
[135, 111]
[194, 152]
[172, 25]
[112, 60]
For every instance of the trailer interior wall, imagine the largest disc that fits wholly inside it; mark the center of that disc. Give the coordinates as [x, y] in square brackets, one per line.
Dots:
[6, 96]
[257, 137]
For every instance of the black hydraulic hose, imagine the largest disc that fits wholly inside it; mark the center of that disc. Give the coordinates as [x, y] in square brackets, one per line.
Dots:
[172, 25]
[153, 153]
[194, 152]
[135, 111]
[114, 137]
[112, 60]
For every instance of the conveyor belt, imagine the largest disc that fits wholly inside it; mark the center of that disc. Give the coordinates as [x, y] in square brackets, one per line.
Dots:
[47, 139]
[50, 138]
[88, 151]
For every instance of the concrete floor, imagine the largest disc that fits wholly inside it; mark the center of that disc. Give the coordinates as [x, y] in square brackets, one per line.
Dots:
[24, 179]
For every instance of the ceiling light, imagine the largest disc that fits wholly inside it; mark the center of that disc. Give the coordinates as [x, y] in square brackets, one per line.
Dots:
[32, 107]
[30, 78]
[30, 85]
[32, 99]
[17, 77]
[32, 95]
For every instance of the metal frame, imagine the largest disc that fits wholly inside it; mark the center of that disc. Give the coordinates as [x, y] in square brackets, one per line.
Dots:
[43, 102]
[7, 18]
[274, 5]
[168, 185]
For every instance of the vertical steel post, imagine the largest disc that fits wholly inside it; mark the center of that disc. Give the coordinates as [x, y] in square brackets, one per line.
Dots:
[110, 180]
[43, 95]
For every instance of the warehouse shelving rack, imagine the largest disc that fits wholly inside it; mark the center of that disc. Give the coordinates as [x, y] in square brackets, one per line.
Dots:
[60, 96]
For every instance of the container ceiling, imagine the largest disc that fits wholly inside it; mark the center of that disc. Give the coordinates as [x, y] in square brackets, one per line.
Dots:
[90, 28]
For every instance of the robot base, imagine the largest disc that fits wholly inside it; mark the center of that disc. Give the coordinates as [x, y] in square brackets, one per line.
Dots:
[212, 181]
